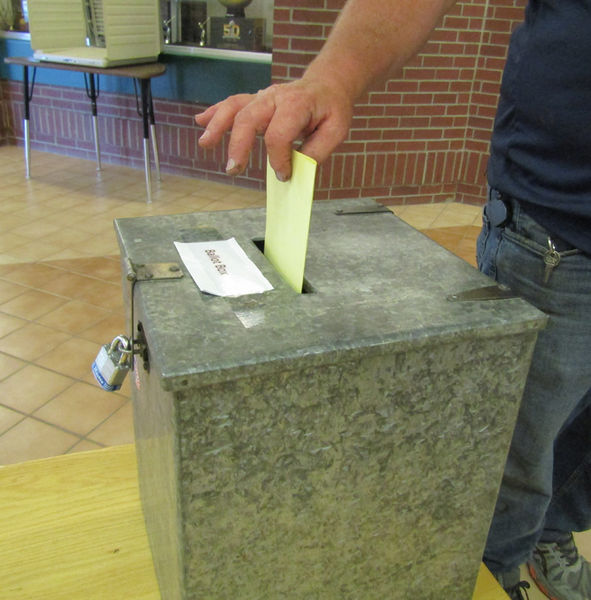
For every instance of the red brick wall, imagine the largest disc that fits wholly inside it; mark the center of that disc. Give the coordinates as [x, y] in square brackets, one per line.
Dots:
[420, 138]
[61, 123]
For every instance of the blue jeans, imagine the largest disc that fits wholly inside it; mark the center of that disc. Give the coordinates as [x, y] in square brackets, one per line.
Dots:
[546, 486]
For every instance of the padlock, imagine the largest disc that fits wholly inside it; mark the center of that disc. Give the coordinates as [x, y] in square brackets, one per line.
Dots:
[113, 363]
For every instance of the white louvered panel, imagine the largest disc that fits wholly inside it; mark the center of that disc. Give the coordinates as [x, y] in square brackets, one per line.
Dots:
[132, 28]
[53, 22]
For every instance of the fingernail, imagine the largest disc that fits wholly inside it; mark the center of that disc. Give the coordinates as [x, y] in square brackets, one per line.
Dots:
[205, 136]
[231, 166]
[282, 177]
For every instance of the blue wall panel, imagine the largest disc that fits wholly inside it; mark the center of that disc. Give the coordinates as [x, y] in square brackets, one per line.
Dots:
[187, 78]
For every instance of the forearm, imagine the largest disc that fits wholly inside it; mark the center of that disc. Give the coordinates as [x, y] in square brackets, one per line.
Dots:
[374, 39]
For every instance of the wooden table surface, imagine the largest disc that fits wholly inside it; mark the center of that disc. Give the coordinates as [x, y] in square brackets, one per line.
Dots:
[139, 71]
[71, 528]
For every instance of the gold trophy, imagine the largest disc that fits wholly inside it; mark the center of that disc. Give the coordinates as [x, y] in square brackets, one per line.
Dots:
[235, 31]
[235, 8]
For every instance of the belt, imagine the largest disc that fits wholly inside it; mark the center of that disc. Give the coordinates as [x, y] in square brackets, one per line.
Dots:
[500, 210]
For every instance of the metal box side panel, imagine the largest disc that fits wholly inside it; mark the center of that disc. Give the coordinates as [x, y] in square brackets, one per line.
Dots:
[156, 440]
[363, 480]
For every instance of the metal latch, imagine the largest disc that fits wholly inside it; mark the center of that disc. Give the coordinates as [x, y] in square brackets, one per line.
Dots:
[151, 271]
[367, 210]
[491, 292]
[146, 272]
[114, 360]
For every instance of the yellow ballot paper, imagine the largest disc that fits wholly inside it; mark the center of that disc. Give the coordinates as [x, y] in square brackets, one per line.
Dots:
[289, 205]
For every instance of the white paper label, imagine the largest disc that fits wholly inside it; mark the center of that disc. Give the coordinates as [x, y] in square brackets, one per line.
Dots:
[222, 268]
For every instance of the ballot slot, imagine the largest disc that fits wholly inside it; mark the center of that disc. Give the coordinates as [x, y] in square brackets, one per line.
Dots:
[307, 287]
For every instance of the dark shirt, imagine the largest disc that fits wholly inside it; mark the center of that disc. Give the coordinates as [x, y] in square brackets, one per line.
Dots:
[541, 144]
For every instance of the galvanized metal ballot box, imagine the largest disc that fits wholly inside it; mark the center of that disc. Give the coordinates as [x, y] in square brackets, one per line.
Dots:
[343, 443]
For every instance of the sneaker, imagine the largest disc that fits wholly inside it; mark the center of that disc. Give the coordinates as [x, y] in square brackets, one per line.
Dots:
[515, 589]
[560, 572]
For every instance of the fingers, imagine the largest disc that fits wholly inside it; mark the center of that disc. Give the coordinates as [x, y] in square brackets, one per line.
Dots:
[219, 118]
[252, 120]
[320, 144]
[283, 113]
[287, 125]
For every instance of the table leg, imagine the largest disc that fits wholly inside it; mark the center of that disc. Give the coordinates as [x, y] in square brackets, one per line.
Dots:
[26, 119]
[91, 91]
[153, 133]
[145, 87]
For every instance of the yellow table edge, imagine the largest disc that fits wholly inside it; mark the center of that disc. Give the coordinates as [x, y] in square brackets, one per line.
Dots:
[72, 527]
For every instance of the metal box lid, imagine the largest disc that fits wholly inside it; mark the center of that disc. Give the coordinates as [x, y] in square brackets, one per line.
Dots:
[374, 285]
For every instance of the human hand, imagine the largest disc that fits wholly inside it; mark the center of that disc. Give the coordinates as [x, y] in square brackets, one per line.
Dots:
[308, 110]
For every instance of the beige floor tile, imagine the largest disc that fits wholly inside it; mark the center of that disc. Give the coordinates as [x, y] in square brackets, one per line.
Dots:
[73, 357]
[80, 408]
[448, 237]
[96, 226]
[117, 429]
[31, 387]
[7, 170]
[105, 330]
[9, 290]
[124, 211]
[77, 221]
[29, 274]
[94, 208]
[64, 202]
[466, 249]
[9, 418]
[13, 205]
[456, 214]
[212, 189]
[31, 341]
[98, 245]
[10, 241]
[5, 269]
[36, 229]
[85, 446]
[247, 197]
[31, 439]
[9, 365]
[66, 237]
[182, 184]
[477, 222]
[99, 267]
[419, 216]
[73, 316]
[31, 304]
[65, 254]
[33, 213]
[10, 323]
[103, 294]
[66, 284]
[8, 221]
[230, 203]
[6, 259]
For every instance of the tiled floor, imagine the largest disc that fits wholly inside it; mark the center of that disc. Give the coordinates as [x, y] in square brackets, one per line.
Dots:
[61, 298]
